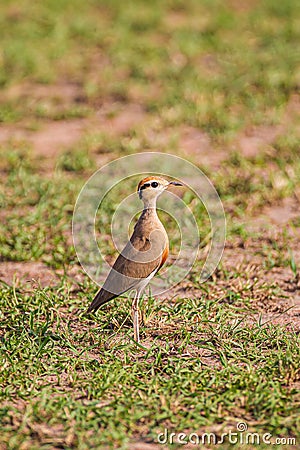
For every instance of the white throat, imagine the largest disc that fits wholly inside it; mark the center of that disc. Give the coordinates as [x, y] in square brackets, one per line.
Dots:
[150, 203]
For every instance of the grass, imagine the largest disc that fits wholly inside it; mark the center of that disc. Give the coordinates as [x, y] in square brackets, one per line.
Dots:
[188, 53]
[214, 354]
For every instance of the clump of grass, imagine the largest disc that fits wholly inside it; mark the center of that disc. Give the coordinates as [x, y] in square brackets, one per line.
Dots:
[76, 160]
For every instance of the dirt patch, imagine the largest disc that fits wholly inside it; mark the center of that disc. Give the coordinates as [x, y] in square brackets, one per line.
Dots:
[196, 143]
[49, 140]
[52, 137]
[117, 119]
[63, 91]
[253, 140]
[286, 211]
[175, 19]
[275, 292]
[242, 7]
[144, 446]
[34, 275]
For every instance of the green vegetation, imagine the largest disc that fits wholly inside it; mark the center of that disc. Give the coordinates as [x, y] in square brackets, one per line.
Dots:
[90, 385]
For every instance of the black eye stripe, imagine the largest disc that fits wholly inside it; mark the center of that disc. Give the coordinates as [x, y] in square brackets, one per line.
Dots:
[154, 184]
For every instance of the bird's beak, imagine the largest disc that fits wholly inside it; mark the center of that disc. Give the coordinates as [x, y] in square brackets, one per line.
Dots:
[175, 183]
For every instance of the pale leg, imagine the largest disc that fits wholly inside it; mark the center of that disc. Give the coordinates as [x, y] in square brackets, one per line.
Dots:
[135, 316]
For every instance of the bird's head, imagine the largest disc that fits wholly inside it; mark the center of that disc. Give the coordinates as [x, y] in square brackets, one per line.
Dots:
[151, 187]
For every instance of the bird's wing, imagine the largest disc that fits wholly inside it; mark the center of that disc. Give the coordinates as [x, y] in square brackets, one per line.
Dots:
[138, 260]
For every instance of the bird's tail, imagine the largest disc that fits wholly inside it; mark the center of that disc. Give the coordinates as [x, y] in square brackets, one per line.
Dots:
[101, 297]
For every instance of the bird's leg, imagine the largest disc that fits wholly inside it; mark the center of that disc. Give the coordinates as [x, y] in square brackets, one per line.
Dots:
[135, 317]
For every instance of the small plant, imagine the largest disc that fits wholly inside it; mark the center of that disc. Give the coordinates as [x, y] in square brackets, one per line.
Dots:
[75, 161]
[293, 264]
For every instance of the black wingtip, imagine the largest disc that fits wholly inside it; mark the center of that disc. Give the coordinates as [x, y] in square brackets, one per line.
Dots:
[94, 305]
[100, 299]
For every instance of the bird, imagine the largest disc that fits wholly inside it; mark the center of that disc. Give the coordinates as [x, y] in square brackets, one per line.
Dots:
[143, 256]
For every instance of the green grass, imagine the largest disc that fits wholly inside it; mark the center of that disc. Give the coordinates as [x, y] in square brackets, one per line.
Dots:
[211, 356]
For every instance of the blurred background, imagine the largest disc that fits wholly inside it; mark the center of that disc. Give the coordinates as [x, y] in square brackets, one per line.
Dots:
[201, 77]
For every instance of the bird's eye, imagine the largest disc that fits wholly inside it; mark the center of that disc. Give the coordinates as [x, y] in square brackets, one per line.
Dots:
[154, 184]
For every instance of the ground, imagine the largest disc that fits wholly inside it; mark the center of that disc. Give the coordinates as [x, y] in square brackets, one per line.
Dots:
[82, 84]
